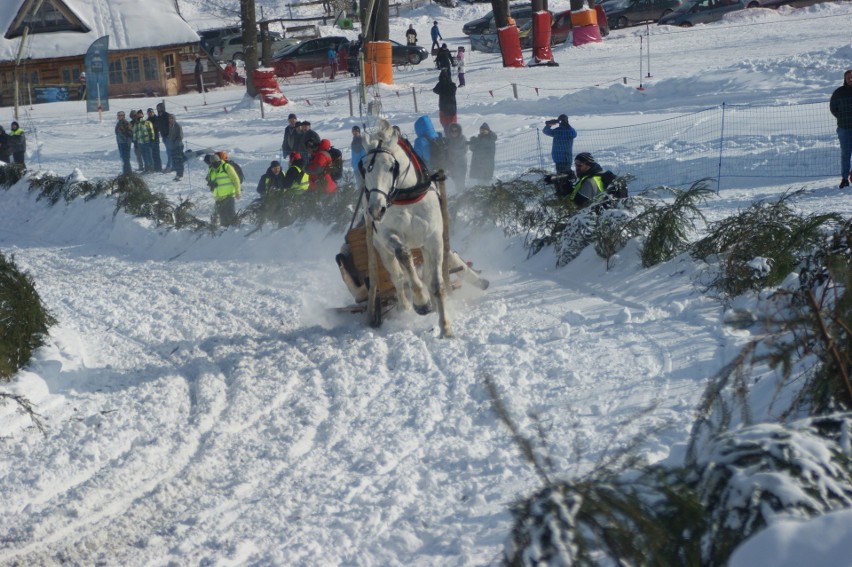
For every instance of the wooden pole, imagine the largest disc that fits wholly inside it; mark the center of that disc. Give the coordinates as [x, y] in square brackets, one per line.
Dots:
[374, 303]
[445, 216]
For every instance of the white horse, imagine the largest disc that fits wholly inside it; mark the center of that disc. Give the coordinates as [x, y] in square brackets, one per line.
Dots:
[405, 211]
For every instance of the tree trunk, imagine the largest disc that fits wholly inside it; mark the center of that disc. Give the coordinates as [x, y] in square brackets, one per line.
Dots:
[501, 13]
[249, 23]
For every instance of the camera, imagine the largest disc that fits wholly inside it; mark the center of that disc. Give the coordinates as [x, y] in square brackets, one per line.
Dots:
[563, 183]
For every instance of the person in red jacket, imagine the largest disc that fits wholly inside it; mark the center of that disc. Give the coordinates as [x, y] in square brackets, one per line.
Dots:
[319, 169]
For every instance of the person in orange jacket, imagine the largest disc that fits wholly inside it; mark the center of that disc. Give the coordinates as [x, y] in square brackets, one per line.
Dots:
[319, 169]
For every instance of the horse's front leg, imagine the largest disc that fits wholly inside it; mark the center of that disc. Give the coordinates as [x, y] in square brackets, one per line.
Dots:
[405, 260]
[433, 257]
[397, 275]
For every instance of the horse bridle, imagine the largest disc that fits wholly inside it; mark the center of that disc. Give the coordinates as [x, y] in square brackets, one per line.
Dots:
[394, 172]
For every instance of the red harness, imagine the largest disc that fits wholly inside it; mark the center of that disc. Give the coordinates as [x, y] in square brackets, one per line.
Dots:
[411, 195]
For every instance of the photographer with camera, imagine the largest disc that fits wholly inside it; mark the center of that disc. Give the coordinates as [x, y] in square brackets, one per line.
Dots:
[563, 142]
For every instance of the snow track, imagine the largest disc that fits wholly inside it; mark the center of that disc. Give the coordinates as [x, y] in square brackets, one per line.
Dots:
[211, 408]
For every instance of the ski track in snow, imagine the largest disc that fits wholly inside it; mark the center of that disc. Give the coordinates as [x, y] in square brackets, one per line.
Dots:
[216, 357]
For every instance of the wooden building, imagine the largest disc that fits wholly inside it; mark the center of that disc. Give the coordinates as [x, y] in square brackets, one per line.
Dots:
[152, 49]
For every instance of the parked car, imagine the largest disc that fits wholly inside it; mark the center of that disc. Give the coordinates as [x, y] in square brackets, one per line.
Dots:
[400, 55]
[634, 12]
[521, 12]
[212, 38]
[560, 29]
[231, 47]
[701, 12]
[305, 56]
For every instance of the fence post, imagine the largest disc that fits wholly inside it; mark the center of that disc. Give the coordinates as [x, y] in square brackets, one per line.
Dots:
[721, 145]
[351, 108]
[538, 147]
[414, 95]
[515, 90]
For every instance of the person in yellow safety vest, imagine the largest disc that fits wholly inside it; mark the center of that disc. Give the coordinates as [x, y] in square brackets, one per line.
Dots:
[589, 182]
[296, 180]
[224, 183]
[17, 144]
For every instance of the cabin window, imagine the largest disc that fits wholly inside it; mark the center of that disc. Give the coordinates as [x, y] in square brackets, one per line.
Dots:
[70, 75]
[116, 74]
[150, 68]
[131, 69]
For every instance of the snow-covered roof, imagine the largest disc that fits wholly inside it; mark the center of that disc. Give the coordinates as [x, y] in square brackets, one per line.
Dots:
[130, 24]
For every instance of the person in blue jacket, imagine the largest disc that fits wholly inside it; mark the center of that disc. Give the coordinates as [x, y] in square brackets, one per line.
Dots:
[427, 139]
[563, 136]
[436, 35]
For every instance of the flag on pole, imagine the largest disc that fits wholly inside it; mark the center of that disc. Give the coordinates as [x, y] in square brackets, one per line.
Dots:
[97, 75]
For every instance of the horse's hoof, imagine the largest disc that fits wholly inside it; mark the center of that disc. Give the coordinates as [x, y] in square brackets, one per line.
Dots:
[423, 309]
[483, 283]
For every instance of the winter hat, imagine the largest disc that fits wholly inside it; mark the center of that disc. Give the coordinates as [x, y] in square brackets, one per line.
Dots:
[585, 157]
[563, 118]
[325, 144]
[292, 116]
[356, 128]
[295, 155]
[485, 126]
[223, 155]
[150, 110]
[275, 163]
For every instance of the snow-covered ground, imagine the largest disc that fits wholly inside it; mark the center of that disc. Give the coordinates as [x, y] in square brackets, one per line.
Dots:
[206, 406]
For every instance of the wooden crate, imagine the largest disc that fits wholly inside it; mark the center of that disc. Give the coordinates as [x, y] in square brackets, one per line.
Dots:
[357, 241]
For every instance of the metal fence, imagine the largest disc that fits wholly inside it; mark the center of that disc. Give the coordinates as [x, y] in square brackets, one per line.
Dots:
[725, 143]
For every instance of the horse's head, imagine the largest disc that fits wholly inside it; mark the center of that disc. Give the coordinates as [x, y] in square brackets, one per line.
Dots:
[380, 169]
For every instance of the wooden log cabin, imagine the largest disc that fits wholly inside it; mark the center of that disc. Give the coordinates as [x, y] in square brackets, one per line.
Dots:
[152, 49]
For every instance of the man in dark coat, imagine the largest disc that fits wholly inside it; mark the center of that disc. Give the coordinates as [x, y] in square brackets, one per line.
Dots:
[164, 124]
[199, 74]
[482, 150]
[272, 180]
[456, 155]
[411, 35]
[444, 59]
[446, 91]
[4, 145]
[288, 144]
[841, 107]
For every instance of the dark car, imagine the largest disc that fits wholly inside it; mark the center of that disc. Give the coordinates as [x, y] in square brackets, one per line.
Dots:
[522, 13]
[305, 56]
[400, 55]
[701, 12]
[635, 12]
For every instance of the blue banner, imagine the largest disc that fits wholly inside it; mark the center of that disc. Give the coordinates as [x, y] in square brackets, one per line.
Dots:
[97, 75]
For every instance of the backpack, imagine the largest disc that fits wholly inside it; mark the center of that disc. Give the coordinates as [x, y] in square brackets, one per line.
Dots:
[238, 169]
[616, 190]
[336, 168]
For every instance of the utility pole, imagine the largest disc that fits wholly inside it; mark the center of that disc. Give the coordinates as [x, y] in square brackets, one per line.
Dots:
[248, 19]
[24, 37]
